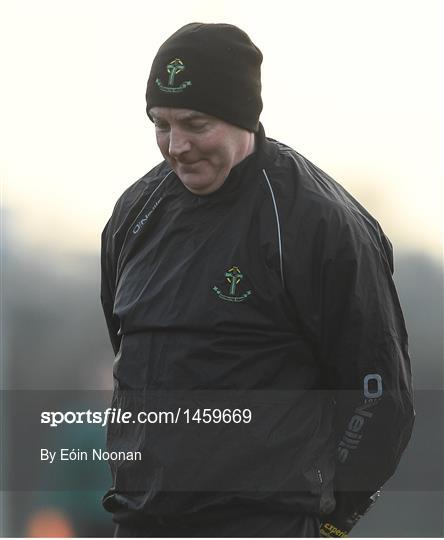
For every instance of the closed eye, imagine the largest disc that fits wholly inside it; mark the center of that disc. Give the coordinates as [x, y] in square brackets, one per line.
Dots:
[161, 126]
[197, 125]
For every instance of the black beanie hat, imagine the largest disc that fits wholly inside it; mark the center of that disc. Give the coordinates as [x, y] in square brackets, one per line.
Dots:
[211, 68]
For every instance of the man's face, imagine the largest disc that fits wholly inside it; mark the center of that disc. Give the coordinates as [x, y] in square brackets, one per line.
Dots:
[200, 148]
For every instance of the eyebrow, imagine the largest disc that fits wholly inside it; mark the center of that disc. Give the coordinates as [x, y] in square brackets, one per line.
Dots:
[193, 116]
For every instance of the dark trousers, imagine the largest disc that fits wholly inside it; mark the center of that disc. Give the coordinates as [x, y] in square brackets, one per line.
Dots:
[272, 525]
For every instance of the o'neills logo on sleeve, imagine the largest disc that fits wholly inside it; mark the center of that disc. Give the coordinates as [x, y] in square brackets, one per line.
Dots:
[175, 67]
[138, 226]
[235, 292]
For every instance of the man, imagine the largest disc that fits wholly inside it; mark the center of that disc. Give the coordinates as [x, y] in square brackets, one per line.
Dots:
[239, 273]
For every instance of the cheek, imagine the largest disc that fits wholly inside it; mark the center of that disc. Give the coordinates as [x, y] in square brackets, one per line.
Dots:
[217, 152]
[162, 143]
[223, 156]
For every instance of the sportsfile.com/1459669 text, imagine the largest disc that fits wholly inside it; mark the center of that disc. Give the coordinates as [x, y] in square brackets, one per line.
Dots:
[117, 416]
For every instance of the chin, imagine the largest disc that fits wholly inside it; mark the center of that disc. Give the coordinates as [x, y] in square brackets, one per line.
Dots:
[195, 182]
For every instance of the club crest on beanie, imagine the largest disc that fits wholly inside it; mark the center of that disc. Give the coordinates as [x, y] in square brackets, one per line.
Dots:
[211, 68]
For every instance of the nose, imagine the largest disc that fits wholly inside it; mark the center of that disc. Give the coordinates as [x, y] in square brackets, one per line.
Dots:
[178, 143]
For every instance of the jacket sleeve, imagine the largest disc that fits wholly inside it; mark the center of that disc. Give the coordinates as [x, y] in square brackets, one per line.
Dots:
[107, 289]
[365, 364]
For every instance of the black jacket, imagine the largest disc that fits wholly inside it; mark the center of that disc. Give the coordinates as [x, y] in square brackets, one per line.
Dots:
[277, 289]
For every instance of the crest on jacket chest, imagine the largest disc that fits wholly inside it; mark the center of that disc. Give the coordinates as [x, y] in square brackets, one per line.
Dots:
[235, 292]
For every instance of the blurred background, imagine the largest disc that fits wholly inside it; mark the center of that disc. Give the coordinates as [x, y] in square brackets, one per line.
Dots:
[354, 85]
